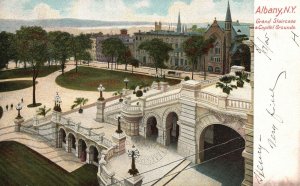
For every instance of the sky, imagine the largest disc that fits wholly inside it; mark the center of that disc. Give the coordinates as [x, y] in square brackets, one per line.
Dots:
[192, 11]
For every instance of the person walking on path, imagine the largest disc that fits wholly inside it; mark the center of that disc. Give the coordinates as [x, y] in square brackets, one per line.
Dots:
[22, 100]
[11, 106]
[6, 107]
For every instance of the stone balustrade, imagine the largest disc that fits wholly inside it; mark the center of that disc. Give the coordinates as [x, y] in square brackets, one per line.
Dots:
[223, 102]
[209, 98]
[239, 104]
[113, 107]
[163, 99]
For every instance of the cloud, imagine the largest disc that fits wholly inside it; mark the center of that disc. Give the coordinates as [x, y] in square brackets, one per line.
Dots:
[14, 9]
[44, 11]
[142, 4]
[116, 10]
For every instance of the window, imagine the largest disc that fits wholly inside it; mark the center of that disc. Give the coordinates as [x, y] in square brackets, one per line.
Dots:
[217, 69]
[181, 62]
[185, 62]
[217, 59]
[210, 68]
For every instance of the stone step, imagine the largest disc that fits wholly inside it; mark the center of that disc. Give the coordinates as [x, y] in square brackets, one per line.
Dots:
[172, 173]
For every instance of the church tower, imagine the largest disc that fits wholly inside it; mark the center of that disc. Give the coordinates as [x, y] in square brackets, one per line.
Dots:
[178, 24]
[228, 27]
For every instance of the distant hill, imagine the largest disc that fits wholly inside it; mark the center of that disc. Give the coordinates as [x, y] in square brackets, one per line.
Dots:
[13, 25]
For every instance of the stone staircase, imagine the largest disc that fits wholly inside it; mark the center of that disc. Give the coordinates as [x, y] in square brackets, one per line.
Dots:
[172, 173]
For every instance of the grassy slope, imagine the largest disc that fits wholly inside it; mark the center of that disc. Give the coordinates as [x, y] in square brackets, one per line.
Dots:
[89, 79]
[20, 165]
[22, 73]
[14, 85]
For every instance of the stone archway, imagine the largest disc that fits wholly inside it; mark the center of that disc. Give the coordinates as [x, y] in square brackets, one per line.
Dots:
[210, 119]
[61, 138]
[82, 148]
[145, 121]
[71, 143]
[152, 128]
[172, 129]
[93, 155]
[220, 143]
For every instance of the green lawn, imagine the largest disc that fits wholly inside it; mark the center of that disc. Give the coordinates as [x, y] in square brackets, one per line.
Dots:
[89, 78]
[19, 165]
[22, 73]
[14, 85]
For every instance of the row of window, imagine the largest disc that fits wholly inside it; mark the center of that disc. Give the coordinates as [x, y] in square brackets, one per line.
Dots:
[215, 59]
[211, 69]
[167, 40]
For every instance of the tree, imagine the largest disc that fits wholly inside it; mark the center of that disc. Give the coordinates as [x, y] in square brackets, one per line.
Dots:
[225, 85]
[42, 111]
[125, 57]
[32, 48]
[194, 48]
[158, 50]
[80, 44]
[241, 78]
[7, 48]
[86, 56]
[112, 48]
[134, 63]
[59, 47]
[79, 102]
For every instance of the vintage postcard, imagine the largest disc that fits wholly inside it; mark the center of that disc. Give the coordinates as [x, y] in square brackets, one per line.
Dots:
[148, 92]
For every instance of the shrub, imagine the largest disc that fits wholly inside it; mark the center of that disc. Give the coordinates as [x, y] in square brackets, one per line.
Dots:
[139, 93]
[186, 78]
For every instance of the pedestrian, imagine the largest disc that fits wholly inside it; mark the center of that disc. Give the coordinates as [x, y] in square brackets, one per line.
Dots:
[6, 107]
[11, 106]
[22, 100]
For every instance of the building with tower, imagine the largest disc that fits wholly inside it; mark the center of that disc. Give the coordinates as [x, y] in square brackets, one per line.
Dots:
[228, 48]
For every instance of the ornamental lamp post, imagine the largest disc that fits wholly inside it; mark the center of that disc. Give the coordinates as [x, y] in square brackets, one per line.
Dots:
[101, 89]
[126, 82]
[119, 130]
[19, 108]
[134, 154]
[57, 102]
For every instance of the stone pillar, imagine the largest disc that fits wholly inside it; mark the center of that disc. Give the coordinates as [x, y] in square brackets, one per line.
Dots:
[222, 101]
[18, 122]
[100, 110]
[248, 152]
[56, 116]
[88, 156]
[56, 136]
[134, 181]
[161, 137]
[163, 86]
[67, 144]
[119, 139]
[187, 119]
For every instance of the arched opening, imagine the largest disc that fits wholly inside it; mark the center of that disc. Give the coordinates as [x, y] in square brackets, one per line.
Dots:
[152, 130]
[82, 150]
[172, 132]
[71, 143]
[94, 155]
[61, 138]
[222, 148]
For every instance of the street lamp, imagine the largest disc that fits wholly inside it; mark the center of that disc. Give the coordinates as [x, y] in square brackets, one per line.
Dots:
[134, 154]
[101, 89]
[57, 102]
[126, 82]
[19, 108]
[119, 130]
